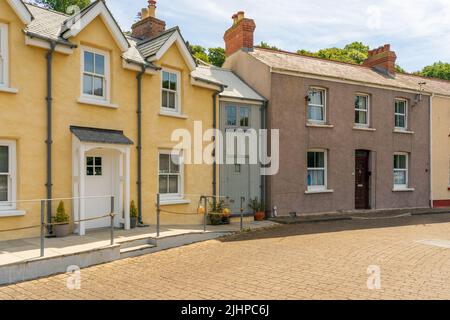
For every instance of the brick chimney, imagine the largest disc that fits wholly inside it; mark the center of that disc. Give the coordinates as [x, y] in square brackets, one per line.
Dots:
[382, 59]
[240, 35]
[149, 26]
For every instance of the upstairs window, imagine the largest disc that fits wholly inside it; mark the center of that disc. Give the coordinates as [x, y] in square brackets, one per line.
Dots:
[317, 170]
[237, 117]
[316, 105]
[401, 114]
[400, 171]
[362, 110]
[95, 67]
[3, 55]
[170, 91]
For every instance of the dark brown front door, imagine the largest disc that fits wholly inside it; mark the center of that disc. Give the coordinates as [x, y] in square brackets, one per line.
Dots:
[362, 179]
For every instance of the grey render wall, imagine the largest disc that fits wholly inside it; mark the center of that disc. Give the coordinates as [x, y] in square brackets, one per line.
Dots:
[287, 113]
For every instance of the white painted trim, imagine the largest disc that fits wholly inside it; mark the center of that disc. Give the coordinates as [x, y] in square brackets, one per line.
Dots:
[21, 10]
[178, 196]
[99, 10]
[325, 107]
[318, 125]
[169, 202]
[405, 186]
[137, 68]
[405, 128]
[91, 99]
[97, 103]
[173, 115]
[9, 90]
[12, 173]
[431, 152]
[403, 131]
[178, 100]
[4, 52]
[176, 38]
[240, 100]
[364, 129]
[205, 85]
[12, 213]
[318, 189]
[35, 42]
[403, 190]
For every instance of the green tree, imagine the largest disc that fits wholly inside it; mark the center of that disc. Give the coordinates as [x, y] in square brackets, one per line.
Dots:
[355, 52]
[199, 52]
[440, 70]
[265, 45]
[63, 5]
[216, 56]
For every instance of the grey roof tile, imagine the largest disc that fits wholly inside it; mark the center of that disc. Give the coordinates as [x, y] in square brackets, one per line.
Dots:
[150, 47]
[100, 135]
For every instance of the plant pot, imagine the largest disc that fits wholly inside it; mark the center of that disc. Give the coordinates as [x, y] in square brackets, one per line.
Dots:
[133, 222]
[259, 216]
[62, 230]
[215, 219]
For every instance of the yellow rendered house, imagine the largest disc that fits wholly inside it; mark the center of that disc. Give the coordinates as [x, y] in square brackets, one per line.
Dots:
[87, 112]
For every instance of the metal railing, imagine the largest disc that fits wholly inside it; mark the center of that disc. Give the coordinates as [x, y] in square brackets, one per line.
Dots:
[203, 200]
[45, 226]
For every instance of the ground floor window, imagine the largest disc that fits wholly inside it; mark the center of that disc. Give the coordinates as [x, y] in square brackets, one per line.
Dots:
[400, 170]
[317, 170]
[170, 174]
[7, 174]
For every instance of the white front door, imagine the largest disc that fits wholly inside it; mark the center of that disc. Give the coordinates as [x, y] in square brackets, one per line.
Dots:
[99, 183]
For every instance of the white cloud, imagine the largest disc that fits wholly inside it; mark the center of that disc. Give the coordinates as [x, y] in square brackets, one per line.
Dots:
[419, 30]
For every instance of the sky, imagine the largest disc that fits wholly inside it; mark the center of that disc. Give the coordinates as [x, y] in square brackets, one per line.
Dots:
[418, 30]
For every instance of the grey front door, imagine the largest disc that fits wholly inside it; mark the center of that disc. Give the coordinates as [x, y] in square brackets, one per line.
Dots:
[238, 185]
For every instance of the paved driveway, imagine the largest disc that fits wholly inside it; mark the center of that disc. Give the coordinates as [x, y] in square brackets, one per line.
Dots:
[309, 261]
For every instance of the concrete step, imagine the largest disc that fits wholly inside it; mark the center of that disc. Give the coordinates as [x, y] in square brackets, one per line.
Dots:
[136, 242]
[137, 250]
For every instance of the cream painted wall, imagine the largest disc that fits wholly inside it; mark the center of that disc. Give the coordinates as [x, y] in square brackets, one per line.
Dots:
[24, 119]
[441, 149]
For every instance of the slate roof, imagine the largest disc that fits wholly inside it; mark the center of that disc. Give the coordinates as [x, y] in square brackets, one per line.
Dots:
[46, 23]
[150, 47]
[96, 135]
[234, 87]
[286, 61]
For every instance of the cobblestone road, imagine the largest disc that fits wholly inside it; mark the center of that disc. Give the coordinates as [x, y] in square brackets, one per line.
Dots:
[307, 261]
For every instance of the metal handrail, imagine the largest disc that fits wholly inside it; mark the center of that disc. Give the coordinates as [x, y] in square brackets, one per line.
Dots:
[58, 199]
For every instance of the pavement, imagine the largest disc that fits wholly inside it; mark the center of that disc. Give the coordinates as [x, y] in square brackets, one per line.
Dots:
[406, 257]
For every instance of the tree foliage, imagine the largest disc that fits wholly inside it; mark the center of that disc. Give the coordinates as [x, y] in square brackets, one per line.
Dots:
[439, 70]
[265, 45]
[355, 52]
[214, 56]
[63, 5]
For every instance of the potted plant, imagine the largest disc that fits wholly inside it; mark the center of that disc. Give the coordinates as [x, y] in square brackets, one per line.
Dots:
[61, 221]
[258, 209]
[226, 216]
[216, 213]
[133, 215]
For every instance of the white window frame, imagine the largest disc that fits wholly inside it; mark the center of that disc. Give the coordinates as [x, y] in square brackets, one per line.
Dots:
[177, 109]
[325, 169]
[12, 176]
[401, 186]
[238, 116]
[179, 194]
[362, 125]
[94, 166]
[405, 128]
[4, 53]
[324, 106]
[107, 85]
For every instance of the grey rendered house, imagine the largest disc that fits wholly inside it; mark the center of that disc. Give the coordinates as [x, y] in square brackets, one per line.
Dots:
[351, 137]
[240, 110]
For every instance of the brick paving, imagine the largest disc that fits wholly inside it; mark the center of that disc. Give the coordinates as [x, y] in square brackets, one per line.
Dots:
[307, 261]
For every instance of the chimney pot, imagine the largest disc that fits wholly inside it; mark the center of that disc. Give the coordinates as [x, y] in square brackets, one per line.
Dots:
[240, 35]
[149, 26]
[144, 13]
[152, 8]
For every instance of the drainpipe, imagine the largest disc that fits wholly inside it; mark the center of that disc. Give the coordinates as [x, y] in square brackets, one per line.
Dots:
[263, 177]
[214, 183]
[49, 140]
[139, 145]
[431, 151]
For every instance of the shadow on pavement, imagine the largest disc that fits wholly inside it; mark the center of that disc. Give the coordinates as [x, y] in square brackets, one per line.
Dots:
[306, 228]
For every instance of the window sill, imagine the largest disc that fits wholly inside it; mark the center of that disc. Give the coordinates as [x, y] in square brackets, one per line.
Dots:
[364, 129]
[168, 202]
[318, 125]
[11, 213]
[173, 115]
[99, 103]
[318, 191]
[9, 90]
[403, 131]
[403, 190]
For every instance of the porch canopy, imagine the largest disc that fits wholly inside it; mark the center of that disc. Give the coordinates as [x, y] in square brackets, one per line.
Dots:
[100, 168]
